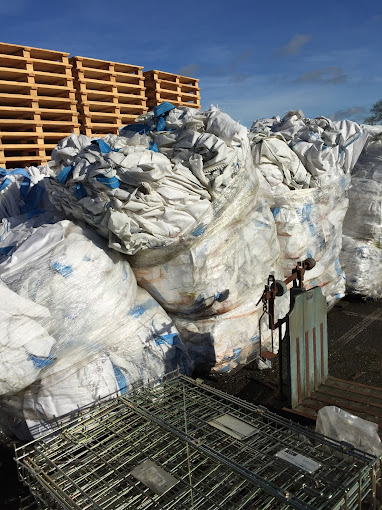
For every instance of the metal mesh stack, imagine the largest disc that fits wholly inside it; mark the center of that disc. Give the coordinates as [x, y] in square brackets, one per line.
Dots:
[181, 444]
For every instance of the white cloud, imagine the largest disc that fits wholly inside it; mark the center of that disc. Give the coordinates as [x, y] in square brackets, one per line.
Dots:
[294, 45]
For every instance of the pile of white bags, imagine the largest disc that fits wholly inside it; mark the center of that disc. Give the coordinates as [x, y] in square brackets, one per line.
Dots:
[178, 193]
[305, 164]
[77, 327]
[361, 255]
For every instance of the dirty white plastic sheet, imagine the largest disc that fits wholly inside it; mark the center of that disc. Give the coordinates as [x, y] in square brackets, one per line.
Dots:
[134, 197]
[344, 426]
[200, 239]
[308, 219]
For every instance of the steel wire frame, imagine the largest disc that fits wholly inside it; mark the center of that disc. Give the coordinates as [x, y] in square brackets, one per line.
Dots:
[87, 463]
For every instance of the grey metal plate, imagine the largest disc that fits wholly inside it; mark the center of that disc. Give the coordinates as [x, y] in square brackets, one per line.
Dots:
[233, 426]
[154, 477]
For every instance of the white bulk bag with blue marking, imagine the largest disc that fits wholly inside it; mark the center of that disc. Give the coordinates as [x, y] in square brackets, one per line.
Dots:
[327, 149]
[90, 292]
[225, 262]
[362, 243]
[308, 216]
[25, 344]
[69, 384]
[147, 346]
[65, 268]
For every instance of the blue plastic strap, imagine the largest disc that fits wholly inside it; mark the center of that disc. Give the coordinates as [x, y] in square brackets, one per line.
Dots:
[153, 146]
[5, 183]
[80, 191]
[19, 171]
[135, 128]
[64, 174]
[112, 182]
[161, 124]
[103, 146]
[6, 250]
[120, 378]
[162, 108]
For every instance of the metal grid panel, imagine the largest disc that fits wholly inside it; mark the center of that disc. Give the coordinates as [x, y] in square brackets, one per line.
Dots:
[89, 463]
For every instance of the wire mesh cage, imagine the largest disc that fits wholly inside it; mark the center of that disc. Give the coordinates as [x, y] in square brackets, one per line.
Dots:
[181, 444]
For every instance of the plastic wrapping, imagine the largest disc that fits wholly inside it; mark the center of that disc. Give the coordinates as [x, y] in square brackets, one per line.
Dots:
[223, 266]
[135, 197]
[362, 248]
[362, 262]
[308, 220]
[206, 243]
[90, 327]
[343, 426]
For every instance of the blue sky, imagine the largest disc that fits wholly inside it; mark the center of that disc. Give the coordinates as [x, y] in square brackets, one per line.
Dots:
[254, 58]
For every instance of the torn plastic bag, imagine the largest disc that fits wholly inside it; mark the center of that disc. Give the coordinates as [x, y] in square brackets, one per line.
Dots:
[133, 196]
[343, 426]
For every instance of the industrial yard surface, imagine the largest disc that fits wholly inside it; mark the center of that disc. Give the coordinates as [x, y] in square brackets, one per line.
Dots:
[355, 343]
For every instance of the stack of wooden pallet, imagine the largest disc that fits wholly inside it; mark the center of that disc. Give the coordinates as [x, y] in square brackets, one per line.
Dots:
[109, 94]
[37, 104]
[178, 90]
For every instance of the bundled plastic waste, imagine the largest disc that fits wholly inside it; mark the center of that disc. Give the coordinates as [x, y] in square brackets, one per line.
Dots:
[361, 255]
[305, 164]
[327, 149]
[178, 192]
[77, 326]
[22, 191]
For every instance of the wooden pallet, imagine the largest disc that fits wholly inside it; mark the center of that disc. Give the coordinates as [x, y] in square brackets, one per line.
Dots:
[37, 103]
[176, 89]
[359, 399]
[109, 94]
